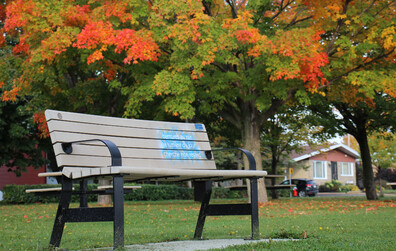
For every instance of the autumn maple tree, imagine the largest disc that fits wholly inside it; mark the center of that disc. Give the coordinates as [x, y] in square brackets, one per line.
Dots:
[360, 42]
[241, 60]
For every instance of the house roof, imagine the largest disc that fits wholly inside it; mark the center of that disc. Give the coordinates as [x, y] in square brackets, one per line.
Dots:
[309, 152]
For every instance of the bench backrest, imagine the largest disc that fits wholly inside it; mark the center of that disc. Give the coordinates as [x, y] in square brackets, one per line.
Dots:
[142, 143]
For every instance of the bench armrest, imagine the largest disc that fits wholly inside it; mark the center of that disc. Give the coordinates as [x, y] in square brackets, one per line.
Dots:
[113, 149]
[249, 155]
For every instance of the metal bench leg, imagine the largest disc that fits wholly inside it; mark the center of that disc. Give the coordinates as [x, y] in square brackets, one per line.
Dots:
[63, 206]
[83, 195]
[203, 210]
[254, 206]
[118, 192]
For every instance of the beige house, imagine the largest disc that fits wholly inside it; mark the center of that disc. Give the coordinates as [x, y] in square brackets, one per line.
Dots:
[337, 162]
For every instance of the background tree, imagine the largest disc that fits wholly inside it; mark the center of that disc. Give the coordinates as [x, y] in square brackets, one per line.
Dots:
[360, 42]
[20, 144]
[360, 120]
[350, 141]
[383, 152]
[383, 148]
[290, 130]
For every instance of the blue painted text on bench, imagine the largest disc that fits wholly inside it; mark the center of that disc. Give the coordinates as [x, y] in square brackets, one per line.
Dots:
[185, 155]
[176, 134]
[180, 146]
[199, 127]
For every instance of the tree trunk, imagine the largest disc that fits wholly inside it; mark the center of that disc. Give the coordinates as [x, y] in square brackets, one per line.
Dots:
[251, 129]
[379, 172]
[104, 199]
[274, 165]
[368, 174]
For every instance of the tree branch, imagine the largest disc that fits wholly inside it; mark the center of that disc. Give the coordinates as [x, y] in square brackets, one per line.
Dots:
[234, 10]
[233, 117]
[347, 116]
[207, 5]
[298, 21]
[331, 49]
[241, 4]
[281, 9]
[276, 103]
[365, 10]
[221, 68]
[366, 27]
[357, 68]
[295, 21]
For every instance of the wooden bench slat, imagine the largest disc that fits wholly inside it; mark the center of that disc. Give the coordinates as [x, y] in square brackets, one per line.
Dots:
[58, 189]
[105, 130]
[113, 121]
[39, 190]
[101, 150]
[125, 187]
[50, 174]
[125, 142]
[98, 161]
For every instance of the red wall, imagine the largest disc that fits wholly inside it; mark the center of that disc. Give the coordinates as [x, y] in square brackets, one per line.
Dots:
[334, 155]
[27, 178]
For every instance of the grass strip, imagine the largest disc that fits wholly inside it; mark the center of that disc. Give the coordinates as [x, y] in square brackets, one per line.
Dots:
[346, 223]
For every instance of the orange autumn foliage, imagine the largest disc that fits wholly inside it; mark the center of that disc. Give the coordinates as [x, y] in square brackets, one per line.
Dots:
[39, 119]
[10, 96]
[60, 32]
[289, 44]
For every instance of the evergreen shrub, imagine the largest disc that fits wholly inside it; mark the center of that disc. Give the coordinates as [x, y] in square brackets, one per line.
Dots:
[15, 194]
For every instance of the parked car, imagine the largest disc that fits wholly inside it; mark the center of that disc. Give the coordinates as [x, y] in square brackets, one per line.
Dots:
[304, 187]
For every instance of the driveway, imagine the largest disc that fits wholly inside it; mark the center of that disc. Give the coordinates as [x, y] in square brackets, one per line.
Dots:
[324, 194]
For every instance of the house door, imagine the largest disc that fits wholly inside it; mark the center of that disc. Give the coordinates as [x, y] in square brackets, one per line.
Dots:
[334, 171]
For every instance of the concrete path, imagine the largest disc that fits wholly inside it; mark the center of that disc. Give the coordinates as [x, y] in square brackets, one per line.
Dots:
[192, 245]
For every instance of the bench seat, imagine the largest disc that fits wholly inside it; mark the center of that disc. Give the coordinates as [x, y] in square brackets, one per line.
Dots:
[43, 190]
[59, 189]
[161, 174]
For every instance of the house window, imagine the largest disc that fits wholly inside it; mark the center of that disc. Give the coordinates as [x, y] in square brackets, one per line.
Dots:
[346, 169]
[320, 170]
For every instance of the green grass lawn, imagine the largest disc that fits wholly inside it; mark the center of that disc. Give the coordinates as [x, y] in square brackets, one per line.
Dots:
[390, 191]
[347, 223]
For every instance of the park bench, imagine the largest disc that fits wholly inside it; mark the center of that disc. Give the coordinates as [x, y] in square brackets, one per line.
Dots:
[90, 146]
